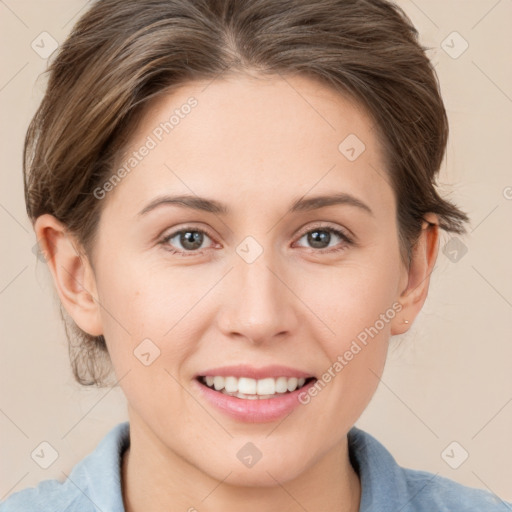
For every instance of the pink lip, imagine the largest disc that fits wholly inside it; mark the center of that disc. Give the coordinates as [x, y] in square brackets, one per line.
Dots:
[252, 411]
[242, 370]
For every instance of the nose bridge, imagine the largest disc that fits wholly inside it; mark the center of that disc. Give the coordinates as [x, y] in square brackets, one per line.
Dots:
[260, 306]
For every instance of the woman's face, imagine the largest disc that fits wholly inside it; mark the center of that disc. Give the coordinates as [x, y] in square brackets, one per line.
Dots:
[262, 279]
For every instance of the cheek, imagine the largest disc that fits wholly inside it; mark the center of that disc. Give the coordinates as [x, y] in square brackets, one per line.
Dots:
[356, 306]
[350, 300]
[145, 319]
[356, 303]
[156, 311]
[133, 296]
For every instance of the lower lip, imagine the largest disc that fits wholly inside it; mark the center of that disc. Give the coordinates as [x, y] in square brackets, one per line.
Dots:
[253, 411]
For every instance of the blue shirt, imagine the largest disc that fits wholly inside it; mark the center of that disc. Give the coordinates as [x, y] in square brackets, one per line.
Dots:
[94, 484]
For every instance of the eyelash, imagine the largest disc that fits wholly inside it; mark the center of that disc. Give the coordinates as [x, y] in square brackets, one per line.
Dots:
[344, 237]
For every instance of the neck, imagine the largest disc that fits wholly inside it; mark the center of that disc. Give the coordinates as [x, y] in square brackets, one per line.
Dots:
[156, 478]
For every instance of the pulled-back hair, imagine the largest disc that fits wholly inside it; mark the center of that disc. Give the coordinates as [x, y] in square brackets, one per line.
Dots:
[122, 53]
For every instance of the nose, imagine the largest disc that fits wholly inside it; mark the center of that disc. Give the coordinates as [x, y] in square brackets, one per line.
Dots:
[260, 305]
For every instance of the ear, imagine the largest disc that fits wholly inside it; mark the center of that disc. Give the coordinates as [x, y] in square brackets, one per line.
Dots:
[72, 273]
[417, 277]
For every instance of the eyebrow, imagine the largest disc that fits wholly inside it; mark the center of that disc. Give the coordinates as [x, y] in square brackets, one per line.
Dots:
[213, 206]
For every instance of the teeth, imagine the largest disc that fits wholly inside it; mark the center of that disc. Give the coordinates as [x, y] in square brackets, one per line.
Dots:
[266, 386]
[251, 389]
[292, 384]
[218, 383]
[246, 386]
[281, 385]
[231, 384]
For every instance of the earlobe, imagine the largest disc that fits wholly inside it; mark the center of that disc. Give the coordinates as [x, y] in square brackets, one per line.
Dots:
[423, 259]
[72, 273]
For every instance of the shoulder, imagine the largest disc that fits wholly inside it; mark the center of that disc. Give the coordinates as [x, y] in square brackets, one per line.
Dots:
[47, 495]
[93, 484]
[427, 490]
[386, 486]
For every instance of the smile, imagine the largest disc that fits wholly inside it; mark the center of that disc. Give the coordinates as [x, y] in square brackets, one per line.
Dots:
[253, 389]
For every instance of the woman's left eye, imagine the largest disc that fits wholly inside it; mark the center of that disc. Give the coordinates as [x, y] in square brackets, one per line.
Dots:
[320, 236]
[192, 239]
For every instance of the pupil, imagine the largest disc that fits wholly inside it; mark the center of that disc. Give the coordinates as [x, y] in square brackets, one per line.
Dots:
[317, 238]
[191, 240]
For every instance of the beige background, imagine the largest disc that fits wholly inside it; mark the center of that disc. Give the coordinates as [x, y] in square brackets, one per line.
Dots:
[450, 380]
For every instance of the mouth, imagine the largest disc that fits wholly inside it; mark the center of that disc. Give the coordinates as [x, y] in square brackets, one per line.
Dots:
[247, 388]
[253, 395]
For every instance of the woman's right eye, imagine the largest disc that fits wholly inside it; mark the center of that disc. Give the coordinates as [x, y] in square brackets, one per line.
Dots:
[190, 239]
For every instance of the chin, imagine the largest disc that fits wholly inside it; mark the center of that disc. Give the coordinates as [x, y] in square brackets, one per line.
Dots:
[264, 473]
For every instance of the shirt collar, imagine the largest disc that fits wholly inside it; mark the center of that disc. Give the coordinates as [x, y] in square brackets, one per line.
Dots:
[101, 470]
[383, 485]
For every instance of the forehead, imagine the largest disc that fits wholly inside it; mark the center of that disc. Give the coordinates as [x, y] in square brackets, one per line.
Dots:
[265, 139]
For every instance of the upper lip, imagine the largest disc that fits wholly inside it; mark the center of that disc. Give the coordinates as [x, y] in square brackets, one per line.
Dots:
[243, 370]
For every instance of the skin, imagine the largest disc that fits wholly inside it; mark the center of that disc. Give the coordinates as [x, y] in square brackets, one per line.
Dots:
[255, 144]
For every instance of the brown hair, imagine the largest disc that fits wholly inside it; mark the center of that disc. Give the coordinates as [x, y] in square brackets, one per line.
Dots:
[122, 53]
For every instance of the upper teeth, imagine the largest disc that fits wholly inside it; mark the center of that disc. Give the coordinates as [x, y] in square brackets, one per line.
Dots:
[247, 386]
